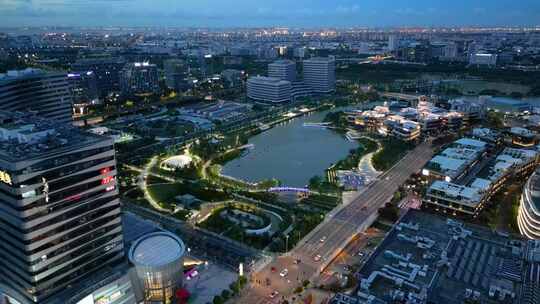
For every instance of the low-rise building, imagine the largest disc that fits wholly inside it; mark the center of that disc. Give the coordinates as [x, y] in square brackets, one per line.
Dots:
[456, 161]
[481, 58]
[401, 128]
[522, 137]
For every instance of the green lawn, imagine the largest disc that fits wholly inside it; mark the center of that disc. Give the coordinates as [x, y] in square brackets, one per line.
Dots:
[392, 151]
[165, 193]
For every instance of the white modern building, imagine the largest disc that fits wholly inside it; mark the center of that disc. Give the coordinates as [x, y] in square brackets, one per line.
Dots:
[282, 69]
[269, 89]
[455, 199]
[529, 209]
[401, 128]
[320, 74]
[485, 59]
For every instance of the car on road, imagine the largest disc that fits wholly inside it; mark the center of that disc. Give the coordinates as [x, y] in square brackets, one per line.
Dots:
[317, 258]
[322, 239]
[297, 261]
[361, 254]
[273, 269]
[274, 294]
[284, 272]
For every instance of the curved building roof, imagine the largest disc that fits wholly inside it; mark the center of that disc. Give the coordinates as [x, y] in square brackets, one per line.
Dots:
[156, 249]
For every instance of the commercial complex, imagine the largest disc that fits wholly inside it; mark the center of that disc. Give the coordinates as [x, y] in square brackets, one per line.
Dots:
[456, 161]
[523, 137]
[431, 259]
[282, 69]
[107, 71]
[467, 174]
[529, 209]
[320, 74]
[268, 89]
[139, 78]
[60, 212]
[401, 128]
[46, 93]
[409, 123]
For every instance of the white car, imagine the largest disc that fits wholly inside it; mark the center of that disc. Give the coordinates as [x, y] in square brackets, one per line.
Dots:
[317, 258]
[323, 239]
[284, 272]
[274, 294]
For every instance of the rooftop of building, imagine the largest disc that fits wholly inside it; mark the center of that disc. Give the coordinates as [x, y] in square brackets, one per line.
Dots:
[471, 143]
[156, 249]
[268, 80]
[20, 74]
[433, 259]
[24, 136]
[446, 165]
[486, 134]
[320, 59]
[103, 60]
[522, 132]
[467, 196]
[283, 62]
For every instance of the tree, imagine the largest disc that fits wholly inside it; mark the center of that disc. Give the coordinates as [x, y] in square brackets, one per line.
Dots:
[225, 294]
[389, 212]
[315, 182]
[218, 300]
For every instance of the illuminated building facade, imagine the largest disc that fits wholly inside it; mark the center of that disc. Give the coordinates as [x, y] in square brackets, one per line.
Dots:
[60, 210]
[158, 258]
[529, 209]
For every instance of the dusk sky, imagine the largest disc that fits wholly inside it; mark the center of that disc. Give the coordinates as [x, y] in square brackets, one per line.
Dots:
[249, 13]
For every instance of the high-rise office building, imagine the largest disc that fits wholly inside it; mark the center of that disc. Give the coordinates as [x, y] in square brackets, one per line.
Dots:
[46, 93]
[175, 74]
[282, 69]
[139, 78]
[60, 210]
[84, 87]
[107, 71]
[268, 89]
[320, 74]
[392, 43]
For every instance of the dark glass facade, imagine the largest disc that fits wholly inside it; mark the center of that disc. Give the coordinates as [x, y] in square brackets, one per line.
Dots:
[60, 219]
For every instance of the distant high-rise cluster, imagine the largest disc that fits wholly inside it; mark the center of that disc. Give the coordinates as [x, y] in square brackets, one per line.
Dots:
[107, 72]
[282, 85]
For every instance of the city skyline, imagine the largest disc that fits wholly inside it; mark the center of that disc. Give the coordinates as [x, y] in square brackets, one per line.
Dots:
[243, 13]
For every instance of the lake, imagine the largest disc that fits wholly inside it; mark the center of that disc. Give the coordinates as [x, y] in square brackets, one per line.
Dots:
[291, 153]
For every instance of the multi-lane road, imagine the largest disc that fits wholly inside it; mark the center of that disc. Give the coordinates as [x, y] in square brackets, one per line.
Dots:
[323, 244]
